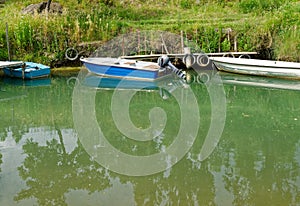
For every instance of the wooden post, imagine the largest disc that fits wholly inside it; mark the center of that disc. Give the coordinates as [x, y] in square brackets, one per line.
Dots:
[196, 36]
[220, 38]
[164, 44]
[139, 42]
[7, 42]
[145, 43]
[182, 42]
[235, 43]
[123, 45]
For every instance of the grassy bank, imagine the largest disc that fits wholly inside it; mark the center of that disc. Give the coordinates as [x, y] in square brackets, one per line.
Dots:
[271, 27]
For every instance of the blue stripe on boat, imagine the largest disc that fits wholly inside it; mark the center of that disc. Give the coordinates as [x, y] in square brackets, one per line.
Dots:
[120, 71]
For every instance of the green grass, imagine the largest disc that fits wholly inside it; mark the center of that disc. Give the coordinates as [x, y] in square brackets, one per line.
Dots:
[259, 25]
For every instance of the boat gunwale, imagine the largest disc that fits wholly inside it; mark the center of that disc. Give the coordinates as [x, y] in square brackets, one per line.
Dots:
[255, 63]
[277, 74]
[110, 64]
[133, 78]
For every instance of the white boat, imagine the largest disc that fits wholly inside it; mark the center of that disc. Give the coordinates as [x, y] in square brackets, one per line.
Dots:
[267, 68]
[4, 64]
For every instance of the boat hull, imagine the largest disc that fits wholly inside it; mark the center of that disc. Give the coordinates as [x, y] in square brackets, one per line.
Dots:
[257, 67]
[32, 71]
[128, 69]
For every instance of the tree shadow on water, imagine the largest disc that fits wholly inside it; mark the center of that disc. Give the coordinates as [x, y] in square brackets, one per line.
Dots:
[50, 172]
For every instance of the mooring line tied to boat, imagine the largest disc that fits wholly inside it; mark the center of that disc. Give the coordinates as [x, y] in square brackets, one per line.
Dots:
[164, 61]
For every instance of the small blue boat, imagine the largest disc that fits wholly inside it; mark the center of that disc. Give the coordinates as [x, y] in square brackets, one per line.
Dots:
[164, 86]
[28, 70]
[126, 68]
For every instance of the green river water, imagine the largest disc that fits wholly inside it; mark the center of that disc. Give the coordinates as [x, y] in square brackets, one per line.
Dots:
[50, 156]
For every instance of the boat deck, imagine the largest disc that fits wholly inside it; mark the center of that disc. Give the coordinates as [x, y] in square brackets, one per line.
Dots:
[5, 64]
[125, 63]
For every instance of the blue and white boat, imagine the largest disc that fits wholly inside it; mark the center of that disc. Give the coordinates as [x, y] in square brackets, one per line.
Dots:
[126, 68]
[26, 70]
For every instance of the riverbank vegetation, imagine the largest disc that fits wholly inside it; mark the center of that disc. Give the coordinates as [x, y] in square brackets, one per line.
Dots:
[270, 27]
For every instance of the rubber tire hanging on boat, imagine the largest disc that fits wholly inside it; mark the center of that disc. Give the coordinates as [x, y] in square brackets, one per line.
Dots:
[189, 60]
[202, 60]
[71, 51]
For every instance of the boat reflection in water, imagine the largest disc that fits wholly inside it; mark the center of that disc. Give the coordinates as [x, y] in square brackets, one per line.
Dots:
[203, 77]
[164, 86]
[256, 161]
[29, 82]
[257, 81]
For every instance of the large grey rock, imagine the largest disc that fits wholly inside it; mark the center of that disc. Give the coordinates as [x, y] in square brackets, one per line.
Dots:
[41, 7]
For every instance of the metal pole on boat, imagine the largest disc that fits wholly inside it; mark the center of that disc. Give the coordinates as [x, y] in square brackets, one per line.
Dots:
[23, 70]
[7, 42]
